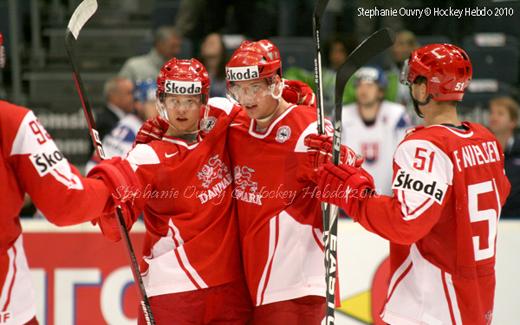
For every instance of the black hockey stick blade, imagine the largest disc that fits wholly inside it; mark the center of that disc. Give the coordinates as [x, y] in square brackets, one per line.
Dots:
[367, 50]
[364, 52]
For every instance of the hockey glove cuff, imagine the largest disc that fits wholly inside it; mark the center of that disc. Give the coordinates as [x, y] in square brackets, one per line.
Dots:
[122, 181]
[345, 186]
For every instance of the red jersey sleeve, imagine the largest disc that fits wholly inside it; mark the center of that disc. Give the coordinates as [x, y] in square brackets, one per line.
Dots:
[422, 179]
[55, 186]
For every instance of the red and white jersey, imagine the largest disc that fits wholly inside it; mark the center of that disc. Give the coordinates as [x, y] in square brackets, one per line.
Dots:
[376, 142]
[191, 237]
[280, 219]
[449, 186]
[31, 163]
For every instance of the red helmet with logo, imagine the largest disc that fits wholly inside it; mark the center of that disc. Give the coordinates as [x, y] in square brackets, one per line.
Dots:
[446, 67]
[183, 77]
[254, 60]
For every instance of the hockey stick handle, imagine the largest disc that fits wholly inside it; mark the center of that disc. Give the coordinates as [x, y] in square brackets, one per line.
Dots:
[87, 110]
[318, 81]
[319, 9]
[328, 210]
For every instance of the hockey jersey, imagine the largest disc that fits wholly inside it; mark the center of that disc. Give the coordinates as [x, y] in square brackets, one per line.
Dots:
[31, 163]
[449, 186]
[376, 142]
[279, 216]
[191, 239]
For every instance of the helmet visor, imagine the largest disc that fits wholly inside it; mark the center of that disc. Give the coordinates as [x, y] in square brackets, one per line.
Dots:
[405, 71]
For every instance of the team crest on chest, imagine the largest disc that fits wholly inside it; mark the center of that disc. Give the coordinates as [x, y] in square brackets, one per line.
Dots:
[215, 178]
[283, 134]
[214, 169]
[245, 188]
[370, 150]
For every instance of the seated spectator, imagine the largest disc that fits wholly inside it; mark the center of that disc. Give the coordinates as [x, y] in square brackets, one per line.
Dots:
[503, 120]
[335, 53]
[118, 92]
[120, 140]
[213, 56]
[167, 44]
[373, 127]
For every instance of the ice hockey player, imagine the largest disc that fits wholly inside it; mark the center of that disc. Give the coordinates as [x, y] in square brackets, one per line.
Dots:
[280, 221]
[372, 126]
[448, 190]
[191, 268]
[31, 163]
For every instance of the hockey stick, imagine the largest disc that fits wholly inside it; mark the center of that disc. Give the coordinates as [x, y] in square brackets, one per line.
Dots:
[327, 209]
[81, 15]
[316, 26]
[368, 49]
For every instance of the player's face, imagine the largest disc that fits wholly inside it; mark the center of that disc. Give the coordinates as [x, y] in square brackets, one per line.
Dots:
[255, 97]
[183, 111]
[499, 119]
[368, 93]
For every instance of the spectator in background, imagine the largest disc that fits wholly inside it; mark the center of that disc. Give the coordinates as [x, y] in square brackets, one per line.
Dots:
[213, 56]
[167, 44]
[118, 92]
[335, 53]
[373, 127]
[405, 43]
[503, 120]
[120, 140]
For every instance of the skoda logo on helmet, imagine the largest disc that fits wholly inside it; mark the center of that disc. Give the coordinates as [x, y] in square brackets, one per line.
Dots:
[242, 73]
[177, 87]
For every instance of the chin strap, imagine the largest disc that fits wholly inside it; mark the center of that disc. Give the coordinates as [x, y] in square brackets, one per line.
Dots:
[280, 87]
[270, 116]
[272, 88]
[417, 103]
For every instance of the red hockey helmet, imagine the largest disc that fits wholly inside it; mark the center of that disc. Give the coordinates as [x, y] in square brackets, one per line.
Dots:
[446, 67]
[183, 77]
[2, 51]
[254, 60]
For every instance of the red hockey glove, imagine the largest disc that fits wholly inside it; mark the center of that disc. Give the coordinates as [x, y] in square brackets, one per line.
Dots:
[125, 186]
[152, 129]
[298, 92]
[320, 152]
[344, 186]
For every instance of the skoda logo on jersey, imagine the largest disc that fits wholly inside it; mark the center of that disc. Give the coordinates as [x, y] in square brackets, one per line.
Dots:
[242, 73]
[208, 123]
[177, 87]
[420, 184]
[46, 162]
[283, 134]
